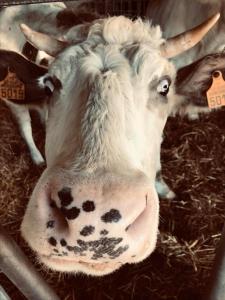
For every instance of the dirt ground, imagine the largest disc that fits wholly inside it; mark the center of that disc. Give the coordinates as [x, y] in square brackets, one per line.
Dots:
[193, 159]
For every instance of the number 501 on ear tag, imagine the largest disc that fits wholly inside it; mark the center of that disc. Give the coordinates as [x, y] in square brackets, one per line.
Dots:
[216, 93]
[12, 88]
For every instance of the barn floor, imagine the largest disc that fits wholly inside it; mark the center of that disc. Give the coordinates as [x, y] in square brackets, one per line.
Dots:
[193, 159]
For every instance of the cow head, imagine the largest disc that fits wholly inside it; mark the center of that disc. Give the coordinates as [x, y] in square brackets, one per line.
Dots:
[95, 206]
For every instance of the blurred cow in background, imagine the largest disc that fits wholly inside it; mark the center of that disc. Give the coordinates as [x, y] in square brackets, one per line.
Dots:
[11, 38]
[175, 16]
[45, 18]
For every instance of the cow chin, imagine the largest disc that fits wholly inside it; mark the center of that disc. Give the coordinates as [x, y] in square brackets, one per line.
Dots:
[72, 266]
[76, 265]
[69, 265]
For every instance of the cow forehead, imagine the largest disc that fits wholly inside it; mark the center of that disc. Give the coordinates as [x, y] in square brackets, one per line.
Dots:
[138, 41]
[122, 30]
[119, 30]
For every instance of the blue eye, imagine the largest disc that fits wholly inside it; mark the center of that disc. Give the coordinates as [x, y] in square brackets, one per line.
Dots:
[163, 87]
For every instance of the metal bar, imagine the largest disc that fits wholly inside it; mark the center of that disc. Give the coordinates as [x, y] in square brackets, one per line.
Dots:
[217, 282]
[19, 2]
[21, 272]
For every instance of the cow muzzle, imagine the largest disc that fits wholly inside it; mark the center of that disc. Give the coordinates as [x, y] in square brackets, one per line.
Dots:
[92, 226]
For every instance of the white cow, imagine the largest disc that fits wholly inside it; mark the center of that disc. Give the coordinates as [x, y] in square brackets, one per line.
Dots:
[11, 38]
[110, 90]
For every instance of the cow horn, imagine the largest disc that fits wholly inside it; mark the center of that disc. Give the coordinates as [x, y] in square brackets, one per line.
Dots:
[42, 41]
[188, 39]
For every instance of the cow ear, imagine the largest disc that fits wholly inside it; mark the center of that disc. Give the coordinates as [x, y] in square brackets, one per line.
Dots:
[21, 81]
[194, 80]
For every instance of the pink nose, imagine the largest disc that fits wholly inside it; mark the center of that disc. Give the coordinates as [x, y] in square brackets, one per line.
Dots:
[94, 222]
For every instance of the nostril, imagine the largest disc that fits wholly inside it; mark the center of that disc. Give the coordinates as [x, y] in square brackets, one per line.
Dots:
[61, 211]
[133, 224]
[58, 218]
[146, 223]
[138, 216]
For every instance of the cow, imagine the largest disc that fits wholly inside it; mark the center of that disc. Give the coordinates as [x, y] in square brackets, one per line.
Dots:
[42, 17]
[109, 91]
[173, 22]
[12, 39]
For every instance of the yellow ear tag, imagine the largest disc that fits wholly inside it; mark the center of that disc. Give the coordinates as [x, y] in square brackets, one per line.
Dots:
[216, 93]
[12, 88]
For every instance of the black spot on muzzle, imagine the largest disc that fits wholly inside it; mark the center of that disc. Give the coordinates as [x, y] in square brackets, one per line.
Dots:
[65, 196]
[87, 230]
[112, 216]
[52, 241]
[88, 206]
[71, 213]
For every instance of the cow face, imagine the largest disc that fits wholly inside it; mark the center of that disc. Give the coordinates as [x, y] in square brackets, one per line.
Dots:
[95, 207]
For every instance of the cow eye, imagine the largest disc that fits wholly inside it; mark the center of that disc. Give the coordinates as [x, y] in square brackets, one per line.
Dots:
[164, 86]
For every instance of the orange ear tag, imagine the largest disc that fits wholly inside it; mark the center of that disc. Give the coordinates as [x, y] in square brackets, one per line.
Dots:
[216, 93]
[12, 88]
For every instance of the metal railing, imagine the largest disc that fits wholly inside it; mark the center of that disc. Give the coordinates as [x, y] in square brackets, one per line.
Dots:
[15, 265]
[112, 7]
